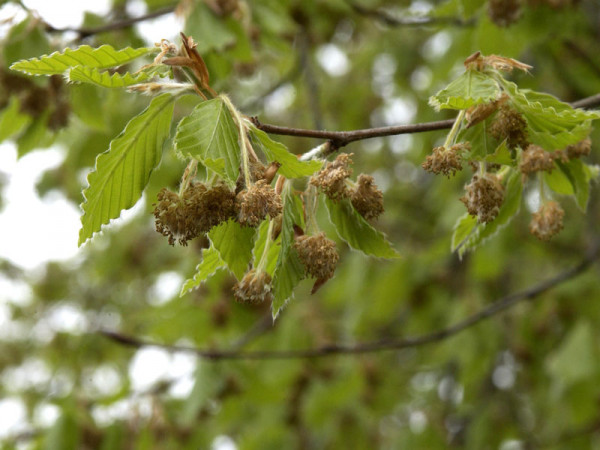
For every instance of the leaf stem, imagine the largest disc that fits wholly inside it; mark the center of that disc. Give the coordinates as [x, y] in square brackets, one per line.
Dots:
[244, 143]
[454, 130]
[263, 258]
[188, 175]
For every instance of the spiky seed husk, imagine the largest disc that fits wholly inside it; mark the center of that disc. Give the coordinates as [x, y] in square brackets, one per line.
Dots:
[509, 124]
[536, 159]
[318, 255]
[547, 221]
[483, 197]
[256, 202]
[366, 198]
[332, 179]
[446, 161]
[255, 287]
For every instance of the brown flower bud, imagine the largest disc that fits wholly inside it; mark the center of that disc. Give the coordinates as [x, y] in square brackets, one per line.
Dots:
[213, 206]
[510, 125]
[318, 255]
[366, 198]
[256, 202]
[483, 197]
[536, 159]
[582, 148]
[332, 179]
[504, 12]
[172, 218]
[446, 161]
[255, 287]
[547, 221]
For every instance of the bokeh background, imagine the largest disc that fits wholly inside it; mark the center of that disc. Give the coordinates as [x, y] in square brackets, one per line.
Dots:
[523, 379]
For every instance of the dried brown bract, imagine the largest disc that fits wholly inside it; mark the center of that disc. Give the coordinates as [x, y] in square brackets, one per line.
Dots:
[483, 197]
[332, 179]
[504, 12]
[510, 125]
[536, 159]
[446, 161]
[547, 221]
[256, 202]
[255, 287]
[318, 255]
[366, 198]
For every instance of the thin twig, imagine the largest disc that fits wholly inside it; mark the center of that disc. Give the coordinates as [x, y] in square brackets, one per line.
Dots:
[342, 138]
[375, 346]
[87, 32]
[388, 19]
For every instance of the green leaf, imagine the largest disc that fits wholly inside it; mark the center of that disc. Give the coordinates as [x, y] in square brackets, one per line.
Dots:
[210, 135]
[559, 182]
[482, 144]
[36, 135]
[12, 120]
[210, 32]
[357, 232]
[575, 172]
[289, 270]
[510, 207]
[234, 244]
[500, 156]
[471, 88]
[272, 252]
[291, 166]
[551, 124]
[99, 58]
[81, 74]
[462, 230]
[123, 171]
[211, 262]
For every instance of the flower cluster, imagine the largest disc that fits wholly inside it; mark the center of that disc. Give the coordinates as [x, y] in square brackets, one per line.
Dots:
[483, 197]
[256, 203]
[255, 287]
[547, 221]
[536, 159]
[318, 255]
[366, 198]
[446, 161]
[510, 125]
[504, 12]
[331, 180]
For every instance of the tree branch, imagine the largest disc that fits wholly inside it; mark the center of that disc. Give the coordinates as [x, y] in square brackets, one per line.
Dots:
[342, 138]
[388, 19]
[87, 32]
[375, 346]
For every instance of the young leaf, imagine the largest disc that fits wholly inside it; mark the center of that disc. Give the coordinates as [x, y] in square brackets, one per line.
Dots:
[577, 176]
[123, 171]
[551, 123]
[234, 244]
[100, 58]
[272, 252]
[211, 262]
[82, 74]
[510, 207]
[12, 120]
[357, 232]
[471, 88]
[289, 270]
[210, 135]
[291, 166]
[462, 230]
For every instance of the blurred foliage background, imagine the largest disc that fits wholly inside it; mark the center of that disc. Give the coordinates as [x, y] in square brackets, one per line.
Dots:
[524, 379]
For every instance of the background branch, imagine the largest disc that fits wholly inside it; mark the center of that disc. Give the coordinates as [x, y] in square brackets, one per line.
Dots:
[497, 307]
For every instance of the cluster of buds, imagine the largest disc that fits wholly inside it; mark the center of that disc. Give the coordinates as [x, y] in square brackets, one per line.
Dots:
[254, 288]
[446, 160]
[511, 126]
[483, 197]
[257, 202]
[536, 159]
[547, 221]
[194, 212]
[333, 180]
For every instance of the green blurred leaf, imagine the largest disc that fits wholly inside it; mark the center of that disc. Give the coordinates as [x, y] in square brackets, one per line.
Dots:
[291, 166]
[99, 58]
[463, 228]
[87, 106]
[211, 262]
[289, 271]
[122, 172]
[210, 135]
[64, 434]
[12, 120]
[36, 135]
[272, 252]
[210, 32]
[510, 207]
[471, 88]
[577, 357]
[234, 244]
[500, 156]
[357, 232]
